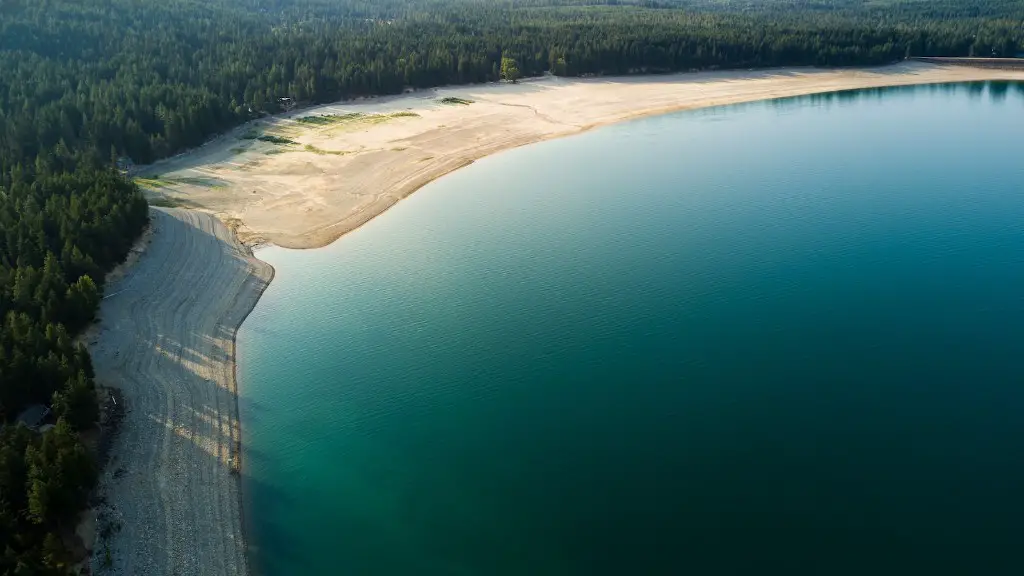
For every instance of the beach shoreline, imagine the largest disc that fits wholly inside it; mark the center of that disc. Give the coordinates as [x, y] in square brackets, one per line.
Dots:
[166, 340]
[329, 179]
[263, 279]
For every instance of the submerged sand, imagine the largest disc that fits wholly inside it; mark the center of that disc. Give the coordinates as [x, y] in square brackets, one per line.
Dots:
[166, 340]
[354, 160]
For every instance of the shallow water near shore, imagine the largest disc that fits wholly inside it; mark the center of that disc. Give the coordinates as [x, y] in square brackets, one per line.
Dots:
[781, 335]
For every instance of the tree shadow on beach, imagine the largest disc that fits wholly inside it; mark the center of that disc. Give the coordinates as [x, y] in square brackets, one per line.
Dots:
[168, 346]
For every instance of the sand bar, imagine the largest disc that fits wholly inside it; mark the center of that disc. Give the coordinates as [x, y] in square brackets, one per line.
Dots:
[364, 156]
[166, 339]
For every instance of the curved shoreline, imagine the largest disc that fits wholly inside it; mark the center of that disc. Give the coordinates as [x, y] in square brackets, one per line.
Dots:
[234, 280]
[336, 177]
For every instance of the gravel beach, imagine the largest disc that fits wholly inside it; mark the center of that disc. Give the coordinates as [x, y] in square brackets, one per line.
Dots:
[166, 339]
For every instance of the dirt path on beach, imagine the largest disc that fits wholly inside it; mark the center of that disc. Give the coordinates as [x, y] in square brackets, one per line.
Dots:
[322, 172]
[166, 339]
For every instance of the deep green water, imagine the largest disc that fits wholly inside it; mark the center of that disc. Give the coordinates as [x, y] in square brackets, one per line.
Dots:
[780, 338]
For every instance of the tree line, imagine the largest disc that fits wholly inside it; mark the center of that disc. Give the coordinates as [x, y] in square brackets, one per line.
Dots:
[86, 83]
[146, 79]
[61, 231]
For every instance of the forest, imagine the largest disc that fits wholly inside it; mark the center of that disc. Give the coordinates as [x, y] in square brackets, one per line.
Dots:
[145, 79]
[88, 84]
[60, 231]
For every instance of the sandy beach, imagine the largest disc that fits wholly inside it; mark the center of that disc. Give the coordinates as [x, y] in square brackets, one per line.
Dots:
[166, 340]
[335, 167]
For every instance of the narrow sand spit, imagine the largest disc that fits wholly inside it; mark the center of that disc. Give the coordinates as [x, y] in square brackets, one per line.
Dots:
[333, 168]
[166, 339]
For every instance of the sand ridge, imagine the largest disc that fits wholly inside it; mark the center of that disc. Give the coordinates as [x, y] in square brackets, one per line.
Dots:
[166, 340]
[355, 159]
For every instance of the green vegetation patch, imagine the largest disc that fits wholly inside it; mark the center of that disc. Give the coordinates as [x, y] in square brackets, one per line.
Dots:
[353, 118]
[456, 101]
[329, 119]
[276, 139]
[164, 202]
[358, 120]
[154, 182]
[381, 118]
[203, 182]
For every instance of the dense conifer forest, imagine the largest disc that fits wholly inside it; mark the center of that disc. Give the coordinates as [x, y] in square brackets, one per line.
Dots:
[84, 83]
[147, 78]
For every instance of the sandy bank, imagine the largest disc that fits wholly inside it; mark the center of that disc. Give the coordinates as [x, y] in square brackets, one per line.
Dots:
[342, 171]
[166, 339]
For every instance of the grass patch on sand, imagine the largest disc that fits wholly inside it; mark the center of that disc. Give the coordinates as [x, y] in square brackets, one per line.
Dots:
[153, 182]
[381, 118]
[203, 182]
[353, 118]
[156, 182]
[329, 119]
[356, 121]
[164, 202]
[275, 139]
[322, 152]
[456, 101]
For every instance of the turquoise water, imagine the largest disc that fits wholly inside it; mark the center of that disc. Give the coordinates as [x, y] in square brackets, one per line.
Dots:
[779, 336]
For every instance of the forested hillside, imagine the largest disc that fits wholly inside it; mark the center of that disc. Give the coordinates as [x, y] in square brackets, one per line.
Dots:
[86, 82]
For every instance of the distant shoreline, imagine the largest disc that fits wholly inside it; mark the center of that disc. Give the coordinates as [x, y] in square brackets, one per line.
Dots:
[307, 184]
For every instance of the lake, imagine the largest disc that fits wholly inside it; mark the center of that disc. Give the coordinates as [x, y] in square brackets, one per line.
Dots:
[778, 337]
